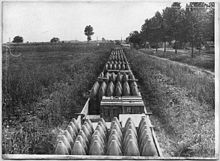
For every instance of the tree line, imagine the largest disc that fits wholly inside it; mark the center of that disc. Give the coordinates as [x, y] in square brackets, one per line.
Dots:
[88, 31]
[193, 25]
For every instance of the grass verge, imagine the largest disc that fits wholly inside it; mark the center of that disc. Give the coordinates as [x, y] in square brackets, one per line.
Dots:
[42, 91]
[182, 103]
[204, 60]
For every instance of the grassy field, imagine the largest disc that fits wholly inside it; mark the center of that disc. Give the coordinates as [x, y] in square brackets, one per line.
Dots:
[182, 102]
[42, 89]
[204, 60]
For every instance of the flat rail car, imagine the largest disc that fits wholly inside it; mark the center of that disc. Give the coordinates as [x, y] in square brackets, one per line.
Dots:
[114, 122]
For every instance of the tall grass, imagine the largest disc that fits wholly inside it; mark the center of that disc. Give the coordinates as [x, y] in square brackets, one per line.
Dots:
[42, 90]
[205, 60]
[181, 100]
[199, 84]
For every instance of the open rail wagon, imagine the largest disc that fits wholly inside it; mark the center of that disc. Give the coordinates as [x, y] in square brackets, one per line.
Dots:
[114, 122]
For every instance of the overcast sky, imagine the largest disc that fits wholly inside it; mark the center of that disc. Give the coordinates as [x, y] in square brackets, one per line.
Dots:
[40, 21]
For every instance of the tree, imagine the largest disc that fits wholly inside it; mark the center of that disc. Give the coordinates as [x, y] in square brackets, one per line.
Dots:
[18, 39]
[193, 24]
[54, 40]
[134, 38]
[156, 30]
[172, 22]
[198, 20]
[152, 31]
[88, 32]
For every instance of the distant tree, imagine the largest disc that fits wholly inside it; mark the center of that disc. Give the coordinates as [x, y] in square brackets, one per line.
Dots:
[135, 38]
[88, 32]
[18, 39]
[54, 40]
[117, 42]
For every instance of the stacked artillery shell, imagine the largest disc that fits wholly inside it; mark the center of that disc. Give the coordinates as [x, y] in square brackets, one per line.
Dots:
[146, 143]
[114, 145]
[118, 89]
[134, 89]
[130, 141]
[83, 139]
[120, 84]
[110, 89]
[102, 90]
[97, 146]
[94, 100]
[115, 141]
[117, 61]
[66, 138]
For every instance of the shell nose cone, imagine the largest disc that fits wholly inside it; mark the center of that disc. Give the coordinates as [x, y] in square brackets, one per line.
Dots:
[114, 137]
[90, 129]
[126, 89]
[82, 141]
[81, 133]
[65, 141]
[103, 126]
[117, 121]
[71, 131]
[100, 129]
[104, 123]
[61, 149]
[86, 131]
[113, 148]
[96, 149]
[99, 139]
[78, 149]
[90, 124]
[132, 149]
[130, 137]
[149, 149]
[69, 137]
[116, 133]
[76, 124]
[74, 127]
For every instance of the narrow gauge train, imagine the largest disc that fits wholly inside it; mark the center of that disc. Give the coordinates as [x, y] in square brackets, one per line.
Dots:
[114, 121]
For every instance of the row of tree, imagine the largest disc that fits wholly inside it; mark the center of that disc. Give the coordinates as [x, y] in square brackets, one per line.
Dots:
[193, 24]
[88, 32]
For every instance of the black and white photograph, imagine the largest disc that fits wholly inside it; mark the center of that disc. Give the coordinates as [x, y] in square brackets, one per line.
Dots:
[110, 80]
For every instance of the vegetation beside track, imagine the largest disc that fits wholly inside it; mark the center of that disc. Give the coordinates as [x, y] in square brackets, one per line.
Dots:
[182, 102]
[204, 60]
[44, 87]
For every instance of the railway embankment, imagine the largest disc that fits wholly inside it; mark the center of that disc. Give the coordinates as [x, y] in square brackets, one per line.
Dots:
[182, 102]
